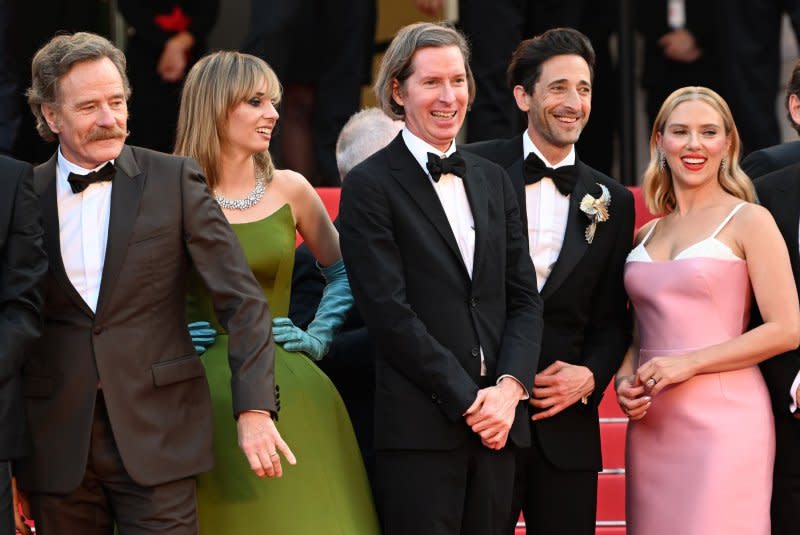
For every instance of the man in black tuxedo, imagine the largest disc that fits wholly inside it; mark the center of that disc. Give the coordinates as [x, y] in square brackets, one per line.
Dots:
[586, 323]
[350, 361]
[761, 162]
[779, 192]
[440, 273]
[23, 265]
[117, 399]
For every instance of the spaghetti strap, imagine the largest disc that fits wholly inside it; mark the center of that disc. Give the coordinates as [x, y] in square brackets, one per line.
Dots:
[727, 218]
[649, 233]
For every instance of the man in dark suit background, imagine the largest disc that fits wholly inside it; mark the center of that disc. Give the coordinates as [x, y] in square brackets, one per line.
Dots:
[761, 162]
[117, 400]
[350, 361]
[23, 265]
[779, 192]
[439, 271]
[586, 322]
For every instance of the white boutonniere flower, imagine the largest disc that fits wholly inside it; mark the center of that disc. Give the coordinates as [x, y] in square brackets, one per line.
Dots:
[596, 209]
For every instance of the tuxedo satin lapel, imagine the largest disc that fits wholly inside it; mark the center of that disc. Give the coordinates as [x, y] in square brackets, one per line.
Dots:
[52, 237]
[125, 196]
[475, 186]
[412, 178]
[575, 244]
[515, 173]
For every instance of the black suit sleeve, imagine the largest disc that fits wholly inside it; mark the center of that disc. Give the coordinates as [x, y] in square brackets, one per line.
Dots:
[23, 266]
[238, 299]
[374, 266]
[307, 286]
[757, 164]
[608, 332]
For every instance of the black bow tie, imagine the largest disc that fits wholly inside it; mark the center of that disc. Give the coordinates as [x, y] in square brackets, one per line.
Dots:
[452, 164]
[78, 183]
[564, 177]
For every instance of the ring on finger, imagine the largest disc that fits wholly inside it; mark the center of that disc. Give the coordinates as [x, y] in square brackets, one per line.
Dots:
[273, 454]
[651, 382]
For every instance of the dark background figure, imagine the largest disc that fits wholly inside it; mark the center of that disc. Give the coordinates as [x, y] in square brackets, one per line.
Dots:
[33, 25]
[322, 53]
[10, 105]
[681, 48]
[166, 37]
[23, 265]
[751, 33]
[763, 161]
[350, 362]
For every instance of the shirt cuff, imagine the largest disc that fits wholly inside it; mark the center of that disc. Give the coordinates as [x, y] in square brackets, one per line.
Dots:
[792, 392]
[525, 394]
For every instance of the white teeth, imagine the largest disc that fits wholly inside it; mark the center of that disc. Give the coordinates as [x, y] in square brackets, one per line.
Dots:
[443, 115]
[566, 119]
[263, 131]
[694, 160]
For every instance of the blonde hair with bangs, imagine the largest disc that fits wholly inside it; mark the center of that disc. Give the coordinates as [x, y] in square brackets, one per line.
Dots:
[214, 86]
[659, 192]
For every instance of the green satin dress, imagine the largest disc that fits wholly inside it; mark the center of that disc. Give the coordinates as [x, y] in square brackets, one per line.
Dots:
[327, 491]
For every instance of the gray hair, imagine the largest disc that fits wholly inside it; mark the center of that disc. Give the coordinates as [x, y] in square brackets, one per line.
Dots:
[364, 134]
[397, 62]
[55, 59]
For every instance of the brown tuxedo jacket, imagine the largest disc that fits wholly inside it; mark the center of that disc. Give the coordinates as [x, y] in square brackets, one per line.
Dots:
[136, 346]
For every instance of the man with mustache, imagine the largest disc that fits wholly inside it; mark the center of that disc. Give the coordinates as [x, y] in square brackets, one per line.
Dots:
[117, 399]
[579, 225]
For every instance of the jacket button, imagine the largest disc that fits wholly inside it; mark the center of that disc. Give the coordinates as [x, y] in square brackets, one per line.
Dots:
[434, 397]
[475, 351]
[98, 330]
[473, 302]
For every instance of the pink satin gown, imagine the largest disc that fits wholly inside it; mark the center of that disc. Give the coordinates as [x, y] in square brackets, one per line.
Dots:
[700, 461]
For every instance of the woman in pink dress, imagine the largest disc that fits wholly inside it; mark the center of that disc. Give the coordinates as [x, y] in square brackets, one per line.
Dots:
[700, 444]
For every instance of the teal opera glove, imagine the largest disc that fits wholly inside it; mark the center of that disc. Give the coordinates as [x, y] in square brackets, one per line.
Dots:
[203, 335]
[333, 307]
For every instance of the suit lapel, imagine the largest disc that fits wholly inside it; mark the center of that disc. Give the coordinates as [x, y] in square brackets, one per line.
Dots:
[575, 244]
[787, 217]
[406, 170]
[475, 186]
[125, 196]
[52, 235]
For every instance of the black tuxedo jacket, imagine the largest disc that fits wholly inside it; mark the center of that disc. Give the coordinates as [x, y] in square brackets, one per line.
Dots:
[760, 162]
[23, 264]
[427, 318]
[779, 192]
[136, 346]
[586, 319]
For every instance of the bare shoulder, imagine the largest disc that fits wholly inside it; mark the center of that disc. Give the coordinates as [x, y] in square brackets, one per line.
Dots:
[752, 217]
[290, 184]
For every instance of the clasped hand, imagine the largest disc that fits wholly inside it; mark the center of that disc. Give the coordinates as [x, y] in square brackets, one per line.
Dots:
[492, 413]
[559, 386]
[293, 338]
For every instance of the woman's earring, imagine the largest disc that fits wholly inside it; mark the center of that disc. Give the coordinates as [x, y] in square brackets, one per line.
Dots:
[662, 161]
[723, 165]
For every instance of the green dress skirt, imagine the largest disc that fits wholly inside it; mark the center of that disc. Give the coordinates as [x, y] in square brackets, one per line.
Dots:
[327, 491]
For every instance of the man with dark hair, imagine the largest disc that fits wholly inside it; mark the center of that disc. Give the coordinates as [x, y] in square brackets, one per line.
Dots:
[117, 399]
[439, 271]
[23, 265]
[579, 226]
[761, 162]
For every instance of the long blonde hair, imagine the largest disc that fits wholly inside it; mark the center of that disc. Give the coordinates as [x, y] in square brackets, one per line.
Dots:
[213, 87]
[659, 193]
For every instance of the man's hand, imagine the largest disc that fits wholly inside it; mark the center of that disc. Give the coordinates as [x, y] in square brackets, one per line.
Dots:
[174, 58]
[797, 402]
[492, 413]
[431, 8]
[260, 442]
[559, 386]
[21, 504]
[680, 45]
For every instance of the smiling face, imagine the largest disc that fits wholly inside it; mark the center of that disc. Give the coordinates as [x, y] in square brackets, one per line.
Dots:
[694, 142]
[91, 115]
[250, 123]
[559, 106]
[435, 96]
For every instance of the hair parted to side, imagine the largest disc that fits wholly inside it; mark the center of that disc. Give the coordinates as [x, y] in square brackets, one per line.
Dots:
[397, 62]
[364, 134]
[526, 61]
[55, 59]
[793, 88]
[659, 192]
[213, 87]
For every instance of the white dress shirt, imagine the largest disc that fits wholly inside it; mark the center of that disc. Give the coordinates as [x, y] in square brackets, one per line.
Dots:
[547, 212]
[83, 229]
[796, 382]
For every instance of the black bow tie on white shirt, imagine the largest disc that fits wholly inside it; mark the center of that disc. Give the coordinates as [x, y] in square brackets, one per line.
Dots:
[563, 177]
[439, 166]
[78, 183]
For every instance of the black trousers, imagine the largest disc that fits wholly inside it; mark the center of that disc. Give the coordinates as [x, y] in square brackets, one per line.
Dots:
[6, 501]
[552, 500]
[785, 504]
[466, 491]
[108, 496]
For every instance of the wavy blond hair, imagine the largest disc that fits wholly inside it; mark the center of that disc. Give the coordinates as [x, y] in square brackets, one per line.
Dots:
[214, 86]
[659, 192]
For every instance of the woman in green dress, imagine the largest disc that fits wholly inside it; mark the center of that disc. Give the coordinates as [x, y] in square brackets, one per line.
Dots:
[226, 120]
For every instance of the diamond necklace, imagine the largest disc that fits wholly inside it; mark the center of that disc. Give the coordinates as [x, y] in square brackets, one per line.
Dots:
[245, 203]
